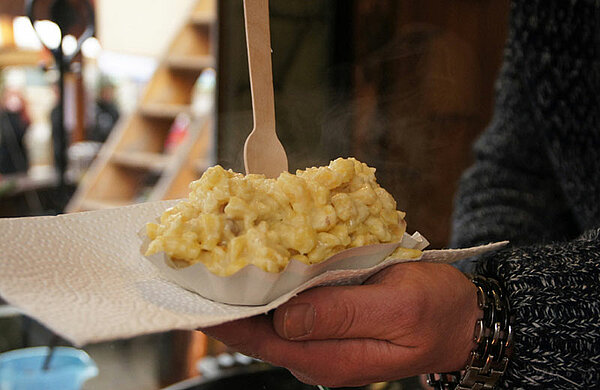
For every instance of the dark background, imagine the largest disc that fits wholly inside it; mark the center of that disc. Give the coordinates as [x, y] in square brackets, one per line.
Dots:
[405, 86]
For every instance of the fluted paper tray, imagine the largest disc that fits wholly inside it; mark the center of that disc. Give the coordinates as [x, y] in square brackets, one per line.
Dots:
[253, 286]
[83, 276]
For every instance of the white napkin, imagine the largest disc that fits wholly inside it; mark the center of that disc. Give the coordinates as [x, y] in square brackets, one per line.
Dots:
[82, 275]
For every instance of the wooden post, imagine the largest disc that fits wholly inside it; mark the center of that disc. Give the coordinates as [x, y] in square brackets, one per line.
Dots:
[78, 134]
[6, 32]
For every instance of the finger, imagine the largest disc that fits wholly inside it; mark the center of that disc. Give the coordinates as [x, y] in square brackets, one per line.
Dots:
[351, 363]
[329, 362]
[348, 363]
[341, 312]
[249, 336]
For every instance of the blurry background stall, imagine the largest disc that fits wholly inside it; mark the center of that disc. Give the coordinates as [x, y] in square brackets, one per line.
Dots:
[162, 92]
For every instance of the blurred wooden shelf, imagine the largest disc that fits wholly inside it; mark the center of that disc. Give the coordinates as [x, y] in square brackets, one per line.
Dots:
[203, 18]
[131, 165]
[204, 12]
[155, 162]
[17, 57]
[192, 63]
[202, 165]
[89, 204]
[164, 110]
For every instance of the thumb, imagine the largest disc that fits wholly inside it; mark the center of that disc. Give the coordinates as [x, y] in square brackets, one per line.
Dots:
[340, 312]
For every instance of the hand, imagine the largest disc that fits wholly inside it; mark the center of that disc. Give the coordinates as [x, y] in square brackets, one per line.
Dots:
[408, 319]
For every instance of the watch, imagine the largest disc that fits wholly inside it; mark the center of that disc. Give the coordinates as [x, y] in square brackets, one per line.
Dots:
[493, 336]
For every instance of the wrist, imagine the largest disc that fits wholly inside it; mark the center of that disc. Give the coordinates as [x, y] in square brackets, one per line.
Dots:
[474, 314]
[493, 343]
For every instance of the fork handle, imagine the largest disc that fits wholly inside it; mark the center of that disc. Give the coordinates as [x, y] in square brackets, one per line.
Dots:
[258, 38]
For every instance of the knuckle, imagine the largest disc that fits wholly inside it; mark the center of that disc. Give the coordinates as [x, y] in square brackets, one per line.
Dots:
[335, 370]
[415, 307]
[349, 371]
[345, 318]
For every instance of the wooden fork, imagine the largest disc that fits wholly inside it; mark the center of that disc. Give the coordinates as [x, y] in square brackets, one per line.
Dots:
[263, 153]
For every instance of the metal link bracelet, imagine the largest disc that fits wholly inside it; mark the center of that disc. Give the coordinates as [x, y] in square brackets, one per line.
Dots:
[493, 335]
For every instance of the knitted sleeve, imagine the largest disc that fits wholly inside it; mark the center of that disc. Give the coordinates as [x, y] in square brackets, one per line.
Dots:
[537, 169]
[512, 191]
[536, 182]
[554, 291]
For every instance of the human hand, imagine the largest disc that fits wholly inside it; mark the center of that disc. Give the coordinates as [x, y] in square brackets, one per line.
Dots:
[409, 319]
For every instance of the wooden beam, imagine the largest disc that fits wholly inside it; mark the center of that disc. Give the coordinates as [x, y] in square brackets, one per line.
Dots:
[13, 7]
[14, 57]
[17, 7]
[78, 133]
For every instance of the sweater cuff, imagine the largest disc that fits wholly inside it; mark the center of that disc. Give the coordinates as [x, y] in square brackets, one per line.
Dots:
[554, 295]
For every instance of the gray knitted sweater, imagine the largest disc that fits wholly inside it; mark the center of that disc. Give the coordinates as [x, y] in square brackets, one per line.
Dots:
[536, 182]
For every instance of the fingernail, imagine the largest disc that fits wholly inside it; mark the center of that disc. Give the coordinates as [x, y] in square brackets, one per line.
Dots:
[298, 320]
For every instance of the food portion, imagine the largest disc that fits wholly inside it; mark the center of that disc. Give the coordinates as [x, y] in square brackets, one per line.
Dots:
[231, 220]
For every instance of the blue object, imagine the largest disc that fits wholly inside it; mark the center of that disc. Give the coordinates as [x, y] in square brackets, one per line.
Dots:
[69, 368]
